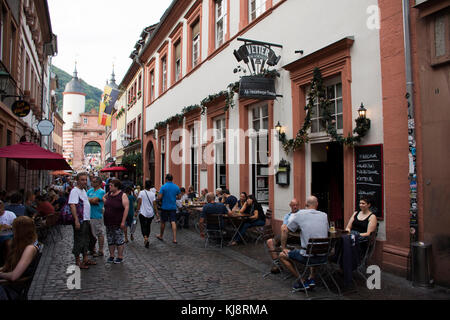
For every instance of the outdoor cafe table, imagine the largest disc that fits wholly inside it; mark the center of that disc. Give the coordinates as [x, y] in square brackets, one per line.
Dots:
[236, 221]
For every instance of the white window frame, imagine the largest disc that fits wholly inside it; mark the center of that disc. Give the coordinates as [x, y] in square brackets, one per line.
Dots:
[221, 15]
[177, 63]
[152, 85]
[196, 50]
[261, 133]
[85, 121]
[164, 73]
[333, 82]
[194, 158]
[220, 148]
[259, 9]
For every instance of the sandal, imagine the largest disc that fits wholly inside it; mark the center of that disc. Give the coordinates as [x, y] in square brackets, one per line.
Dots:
[98, 254]
[90, 263]
[160, 239]
[82, 266]
[175, 242]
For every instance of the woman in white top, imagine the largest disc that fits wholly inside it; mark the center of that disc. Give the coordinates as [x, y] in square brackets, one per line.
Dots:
[146, 209]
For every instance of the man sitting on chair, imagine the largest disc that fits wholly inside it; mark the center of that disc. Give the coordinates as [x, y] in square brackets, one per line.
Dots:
[313, 224]
[283, 239]
[211, 207]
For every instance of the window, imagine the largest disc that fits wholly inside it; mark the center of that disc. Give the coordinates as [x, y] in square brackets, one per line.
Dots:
[2, 30]
[221, 22]
[152, 85]
[334, 95]
[177, 61]
[194, 158]
[139, 127]
[140, 83]
[69, 113]
[220, 153]
[440, 35]
[260, 152]
[8, 137]
[164, 73]
[195, 44]
[256, 8]
[12, 48]
[85, 120]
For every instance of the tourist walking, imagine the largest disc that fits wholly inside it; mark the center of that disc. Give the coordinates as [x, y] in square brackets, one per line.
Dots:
[95, 195]
[81, 212]
[130, 218]
[169, 193]
[146, 208]
[116, 212]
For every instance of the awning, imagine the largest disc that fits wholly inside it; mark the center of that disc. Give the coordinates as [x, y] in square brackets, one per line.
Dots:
[114, 169]
[33, 157]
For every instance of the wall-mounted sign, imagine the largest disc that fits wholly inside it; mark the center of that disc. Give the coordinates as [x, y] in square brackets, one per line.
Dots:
[45, 127]
[21, 108]
[254, 87]
[369, 176]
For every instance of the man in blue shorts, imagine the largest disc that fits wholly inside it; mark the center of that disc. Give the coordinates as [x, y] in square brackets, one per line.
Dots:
[169, 193]
[313, 224]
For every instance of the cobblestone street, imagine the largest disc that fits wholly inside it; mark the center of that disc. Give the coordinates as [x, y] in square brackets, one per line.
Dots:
[185, 271]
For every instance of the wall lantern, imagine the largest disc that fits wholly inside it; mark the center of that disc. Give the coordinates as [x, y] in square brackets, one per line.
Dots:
[362, 111]
[5, 79]
[278, 127]
[283, 173]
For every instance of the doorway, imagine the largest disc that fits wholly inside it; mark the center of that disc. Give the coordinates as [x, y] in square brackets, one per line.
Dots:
[328, 179]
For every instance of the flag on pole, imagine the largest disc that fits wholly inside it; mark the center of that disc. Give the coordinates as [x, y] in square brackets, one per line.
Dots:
[109, 98]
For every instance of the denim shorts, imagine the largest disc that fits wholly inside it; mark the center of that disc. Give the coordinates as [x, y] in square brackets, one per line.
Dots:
[169, 215]
[296, 255]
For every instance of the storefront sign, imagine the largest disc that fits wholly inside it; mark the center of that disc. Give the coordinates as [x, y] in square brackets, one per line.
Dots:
[45, 127]
[21, 108]
[255, 87]
[369, 176]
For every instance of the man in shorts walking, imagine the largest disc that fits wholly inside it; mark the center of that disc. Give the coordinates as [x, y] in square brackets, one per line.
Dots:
[169, 193]
[95, 195]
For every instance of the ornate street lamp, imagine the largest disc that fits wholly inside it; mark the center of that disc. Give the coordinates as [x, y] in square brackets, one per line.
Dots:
[362, 111]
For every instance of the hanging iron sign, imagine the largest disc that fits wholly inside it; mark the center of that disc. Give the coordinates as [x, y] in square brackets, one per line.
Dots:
[254, 87]
[21, 108]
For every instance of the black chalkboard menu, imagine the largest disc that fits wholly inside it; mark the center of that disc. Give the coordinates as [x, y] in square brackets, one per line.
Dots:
[369, 176]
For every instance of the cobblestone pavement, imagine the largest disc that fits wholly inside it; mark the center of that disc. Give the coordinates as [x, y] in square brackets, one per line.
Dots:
[186, 271]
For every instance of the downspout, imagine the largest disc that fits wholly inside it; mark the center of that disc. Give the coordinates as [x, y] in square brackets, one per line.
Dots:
[138, 61]
[413, 222]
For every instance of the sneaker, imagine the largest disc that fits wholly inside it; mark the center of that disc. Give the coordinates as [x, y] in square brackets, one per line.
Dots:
[118, 260]
[298, 286]
[147, 244]
[110, 260]
[311, 283]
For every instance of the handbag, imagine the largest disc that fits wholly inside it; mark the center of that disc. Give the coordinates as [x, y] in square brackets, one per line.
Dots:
[151, 203]
[66, 217]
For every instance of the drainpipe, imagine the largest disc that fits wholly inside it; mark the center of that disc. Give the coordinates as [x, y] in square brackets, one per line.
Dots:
[138, 61]
[413, 222]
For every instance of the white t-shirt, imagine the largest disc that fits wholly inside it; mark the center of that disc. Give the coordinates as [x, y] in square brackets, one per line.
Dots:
[147, 203]
[74, 197]
[7, 218]
[313, 224]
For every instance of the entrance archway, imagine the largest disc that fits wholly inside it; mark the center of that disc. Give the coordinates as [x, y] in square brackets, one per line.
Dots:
[92, 155]
[151, 161]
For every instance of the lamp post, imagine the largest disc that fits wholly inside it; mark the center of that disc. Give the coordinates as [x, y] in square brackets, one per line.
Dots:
[5, 79]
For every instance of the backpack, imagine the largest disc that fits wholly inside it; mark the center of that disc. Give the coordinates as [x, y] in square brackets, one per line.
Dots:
[66, 217]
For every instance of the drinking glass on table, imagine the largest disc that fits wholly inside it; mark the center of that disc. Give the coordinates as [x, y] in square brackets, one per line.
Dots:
[332, 227]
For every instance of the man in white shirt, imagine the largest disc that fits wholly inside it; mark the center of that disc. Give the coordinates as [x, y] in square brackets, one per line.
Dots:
[81, 228]
[313, 224]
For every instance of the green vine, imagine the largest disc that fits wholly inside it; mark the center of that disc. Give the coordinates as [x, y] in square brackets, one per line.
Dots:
[318, 95]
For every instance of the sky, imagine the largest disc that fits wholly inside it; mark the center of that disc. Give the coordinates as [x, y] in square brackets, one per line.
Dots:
[99, 33]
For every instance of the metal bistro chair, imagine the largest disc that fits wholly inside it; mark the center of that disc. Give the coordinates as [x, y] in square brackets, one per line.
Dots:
[267, 235]
[259, 232]
[213, 228]
[317, 247]
[23, 284]
[368, 252]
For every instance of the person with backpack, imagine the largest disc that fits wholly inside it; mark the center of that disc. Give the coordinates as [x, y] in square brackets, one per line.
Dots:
[146, 208]
[81, 212]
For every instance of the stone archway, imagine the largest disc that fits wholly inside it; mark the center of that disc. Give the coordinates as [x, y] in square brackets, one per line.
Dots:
[92, 155]
[150, 156]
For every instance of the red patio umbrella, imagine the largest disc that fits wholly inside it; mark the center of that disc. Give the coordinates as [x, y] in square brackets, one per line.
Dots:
[114, 169]
[33, 157]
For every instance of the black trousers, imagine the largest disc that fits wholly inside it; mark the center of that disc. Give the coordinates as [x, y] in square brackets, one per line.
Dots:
[146, 223]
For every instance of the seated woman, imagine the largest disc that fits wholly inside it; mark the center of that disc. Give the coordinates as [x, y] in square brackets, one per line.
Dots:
[257, 218]
[21, 258]
[363, 222]
[239, 204]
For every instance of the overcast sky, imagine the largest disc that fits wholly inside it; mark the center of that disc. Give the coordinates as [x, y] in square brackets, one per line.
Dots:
[98, 33]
